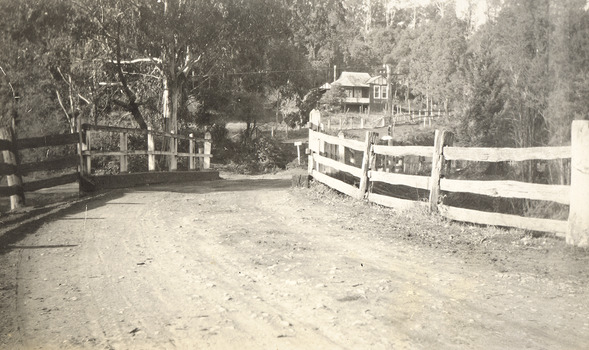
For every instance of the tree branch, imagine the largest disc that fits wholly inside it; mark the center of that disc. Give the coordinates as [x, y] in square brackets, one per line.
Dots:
[190, 63]
[133, 106]
[67, 116]
[137, 60]
[103, 83]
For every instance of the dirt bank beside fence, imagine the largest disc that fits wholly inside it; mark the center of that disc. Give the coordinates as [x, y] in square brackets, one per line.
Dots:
[249, 263]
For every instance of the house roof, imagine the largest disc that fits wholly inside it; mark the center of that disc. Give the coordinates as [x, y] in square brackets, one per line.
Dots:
[325, 86]
[377, 80]
[353, 79]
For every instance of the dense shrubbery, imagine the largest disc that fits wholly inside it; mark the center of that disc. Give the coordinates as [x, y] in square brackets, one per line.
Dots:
[250, 154]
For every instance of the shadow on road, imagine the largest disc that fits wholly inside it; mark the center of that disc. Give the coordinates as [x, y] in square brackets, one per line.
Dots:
[230, 185]
[16, 226]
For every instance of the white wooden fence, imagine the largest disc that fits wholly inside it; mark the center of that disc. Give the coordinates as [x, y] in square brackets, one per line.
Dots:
[329, 157]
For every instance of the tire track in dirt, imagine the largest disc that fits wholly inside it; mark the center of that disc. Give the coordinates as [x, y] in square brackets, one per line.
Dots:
[252, 264]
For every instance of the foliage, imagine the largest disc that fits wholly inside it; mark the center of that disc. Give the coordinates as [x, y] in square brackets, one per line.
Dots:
[310, 101]
[7, 101]
[291, 112]
[222, 146]
[248, 107]
[256, 155]
[333, 99]
[482, 122]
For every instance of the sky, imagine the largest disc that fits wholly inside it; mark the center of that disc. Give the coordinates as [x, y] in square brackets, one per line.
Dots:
[462, 6]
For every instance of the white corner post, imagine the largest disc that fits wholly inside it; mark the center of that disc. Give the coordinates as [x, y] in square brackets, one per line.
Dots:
[578, 223]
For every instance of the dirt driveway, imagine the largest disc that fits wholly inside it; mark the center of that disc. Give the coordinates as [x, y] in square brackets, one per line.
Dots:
[248, 263]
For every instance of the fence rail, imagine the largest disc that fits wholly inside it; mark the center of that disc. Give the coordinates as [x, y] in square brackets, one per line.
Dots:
[328, 160]
[477, 154]
[47, 141]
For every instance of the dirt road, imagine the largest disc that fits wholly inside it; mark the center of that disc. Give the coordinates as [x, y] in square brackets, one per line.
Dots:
[248, 263]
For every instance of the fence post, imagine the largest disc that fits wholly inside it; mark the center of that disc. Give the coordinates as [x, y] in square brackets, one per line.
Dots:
[10, 156]
[321, 152]
[366, 160]
[578, 223]
[310, 151]
[208, 150]
[388, 160]
[341, 156]
[191, 164]
[441, 139]
[123, 148]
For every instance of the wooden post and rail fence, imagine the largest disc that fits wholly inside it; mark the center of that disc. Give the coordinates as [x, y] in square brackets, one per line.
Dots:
[77, 166]
[331, 156]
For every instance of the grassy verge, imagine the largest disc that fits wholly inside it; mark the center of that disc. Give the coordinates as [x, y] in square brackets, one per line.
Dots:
[504, 250]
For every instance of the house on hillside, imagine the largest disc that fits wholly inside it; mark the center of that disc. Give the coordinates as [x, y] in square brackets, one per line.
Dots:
[364, 94]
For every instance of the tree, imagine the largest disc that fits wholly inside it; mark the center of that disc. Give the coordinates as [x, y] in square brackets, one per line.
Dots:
[174, 36]
[321, 29]
[482, 122]
[248, 106]
[310, 101]
[569, 68]
[448, 49]
[47, 43]
[290, 111]
[333, 99]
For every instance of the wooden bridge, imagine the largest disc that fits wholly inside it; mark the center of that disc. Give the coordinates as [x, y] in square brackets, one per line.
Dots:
[90, 144]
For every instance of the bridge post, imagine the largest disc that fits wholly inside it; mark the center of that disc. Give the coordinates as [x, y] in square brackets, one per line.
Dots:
[578, 223]
[150, 151]
[87, 147]
[14, 181]
[208, 150]
[173, 151]
[124, 160]
[191, 162]
[201, 160]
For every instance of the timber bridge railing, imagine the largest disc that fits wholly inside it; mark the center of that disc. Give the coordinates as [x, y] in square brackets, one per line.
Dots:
[357, 167]
[81, 149]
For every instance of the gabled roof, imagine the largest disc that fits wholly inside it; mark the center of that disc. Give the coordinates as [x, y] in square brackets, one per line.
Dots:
[354, 79]
[377, 80]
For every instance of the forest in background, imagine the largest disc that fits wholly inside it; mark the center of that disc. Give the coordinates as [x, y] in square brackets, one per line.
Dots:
[518, 80]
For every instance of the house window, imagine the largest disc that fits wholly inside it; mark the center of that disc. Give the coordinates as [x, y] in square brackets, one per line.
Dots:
[384, 92]
[376, 91]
